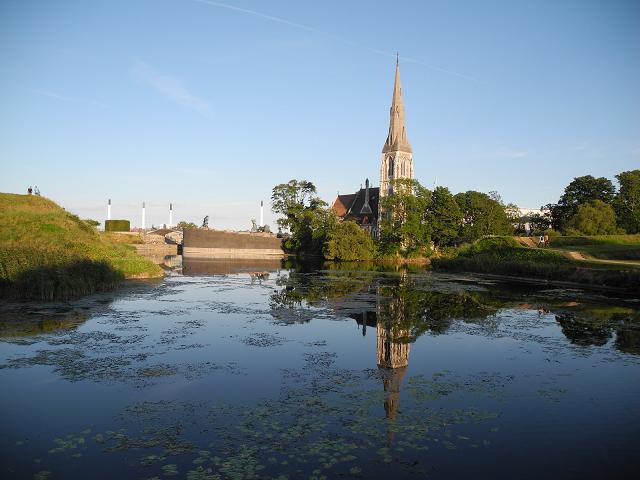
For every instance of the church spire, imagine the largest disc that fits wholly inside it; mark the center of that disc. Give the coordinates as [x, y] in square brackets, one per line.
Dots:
[397, 139]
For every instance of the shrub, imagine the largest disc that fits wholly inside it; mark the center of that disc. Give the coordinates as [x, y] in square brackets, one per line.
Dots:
[593, 218]
[347, 241]
[117, 225]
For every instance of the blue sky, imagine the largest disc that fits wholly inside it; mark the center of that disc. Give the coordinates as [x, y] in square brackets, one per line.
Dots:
[210, 104]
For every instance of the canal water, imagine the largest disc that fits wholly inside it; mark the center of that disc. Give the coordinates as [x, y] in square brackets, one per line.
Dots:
[248, 370]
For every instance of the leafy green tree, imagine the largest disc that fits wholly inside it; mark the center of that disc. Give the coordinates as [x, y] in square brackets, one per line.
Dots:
[593, 218]
[539, 222]
[347, 241]
[444, 217]
[627, 202]
[183, 224]
[303, 214]
[581, 190]
[482, 215]
[404, 227]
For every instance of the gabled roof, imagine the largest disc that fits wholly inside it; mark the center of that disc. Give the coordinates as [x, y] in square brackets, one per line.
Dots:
[349, 207]
[342, 204]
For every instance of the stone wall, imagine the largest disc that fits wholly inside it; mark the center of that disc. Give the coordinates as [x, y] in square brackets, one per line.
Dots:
[220, 244]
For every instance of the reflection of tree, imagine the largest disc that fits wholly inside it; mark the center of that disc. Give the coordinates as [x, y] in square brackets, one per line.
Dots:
[300, 290]
[38, 322]
[419, 311]
[582, 331]
[415, 310]
[595, 326]
[628, 340]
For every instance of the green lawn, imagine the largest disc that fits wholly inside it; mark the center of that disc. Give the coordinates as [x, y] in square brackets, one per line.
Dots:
[605, 247]
[504, 256]
[48, 253]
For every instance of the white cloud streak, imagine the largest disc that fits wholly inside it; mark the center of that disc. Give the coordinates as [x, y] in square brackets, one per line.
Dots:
[332, 36]
[64, 98]
[170, 88]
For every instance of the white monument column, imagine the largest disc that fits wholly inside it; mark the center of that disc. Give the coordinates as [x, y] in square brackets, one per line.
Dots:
[109, 210]
[261, 214]
[170, 215]
[143, 216]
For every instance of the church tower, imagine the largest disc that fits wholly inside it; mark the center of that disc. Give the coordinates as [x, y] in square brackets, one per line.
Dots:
[397, 156]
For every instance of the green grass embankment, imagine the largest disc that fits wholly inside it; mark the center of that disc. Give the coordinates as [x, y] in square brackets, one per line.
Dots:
[47, 253]
[505, 256]
[604, 247]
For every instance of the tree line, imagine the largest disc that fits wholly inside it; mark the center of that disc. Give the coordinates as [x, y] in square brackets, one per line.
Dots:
[415, 221]
[593, 206]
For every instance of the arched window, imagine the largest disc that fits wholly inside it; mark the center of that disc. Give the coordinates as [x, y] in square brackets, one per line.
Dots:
[391, 165]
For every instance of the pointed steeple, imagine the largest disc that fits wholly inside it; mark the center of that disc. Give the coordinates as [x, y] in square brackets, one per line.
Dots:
[397, 139]
[366, 208]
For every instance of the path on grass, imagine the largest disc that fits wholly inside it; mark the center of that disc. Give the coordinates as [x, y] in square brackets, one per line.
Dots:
[532, 242]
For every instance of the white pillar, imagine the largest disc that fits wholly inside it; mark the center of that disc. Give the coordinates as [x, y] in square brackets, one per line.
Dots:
[261, 214]
[109, 210]
[170, 215]
[143, 216]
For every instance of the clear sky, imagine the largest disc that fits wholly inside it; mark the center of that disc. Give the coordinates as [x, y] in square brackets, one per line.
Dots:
[210, 104]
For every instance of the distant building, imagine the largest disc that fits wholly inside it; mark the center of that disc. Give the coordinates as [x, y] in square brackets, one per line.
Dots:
[362, 207]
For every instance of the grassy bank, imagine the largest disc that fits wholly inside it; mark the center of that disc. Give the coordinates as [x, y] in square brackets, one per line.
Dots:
[605, 247]
[504, 256]
[47, 253]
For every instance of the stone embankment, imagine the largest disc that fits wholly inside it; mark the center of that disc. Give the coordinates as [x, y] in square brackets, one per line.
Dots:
[158, 244]
[200, 243]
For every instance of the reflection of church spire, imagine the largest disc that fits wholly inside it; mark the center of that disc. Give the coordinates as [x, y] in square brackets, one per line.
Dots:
[393, 355]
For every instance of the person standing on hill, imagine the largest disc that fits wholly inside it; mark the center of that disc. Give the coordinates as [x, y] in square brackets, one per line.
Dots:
[36, 191]
[29, 190]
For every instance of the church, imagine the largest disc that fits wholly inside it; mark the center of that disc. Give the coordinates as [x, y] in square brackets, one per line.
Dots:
[396, 162]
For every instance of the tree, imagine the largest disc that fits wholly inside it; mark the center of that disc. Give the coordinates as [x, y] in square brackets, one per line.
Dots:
[539, 222]
[581, 190]
[444, 216]
[182, 224]
[404, 227]
[627, 202]
[481, 215]
[593, 218]
[348, 242]
[302, 213]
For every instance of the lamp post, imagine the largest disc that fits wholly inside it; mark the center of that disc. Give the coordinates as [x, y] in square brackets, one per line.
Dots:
[261, 214]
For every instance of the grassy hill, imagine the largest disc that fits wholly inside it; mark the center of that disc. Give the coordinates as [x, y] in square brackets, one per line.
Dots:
[47, 253]
[605, 247]
[505, 256]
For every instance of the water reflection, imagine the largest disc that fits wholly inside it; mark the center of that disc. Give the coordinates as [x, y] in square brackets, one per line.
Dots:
[409, 306]
[196, 266]
[501, 365]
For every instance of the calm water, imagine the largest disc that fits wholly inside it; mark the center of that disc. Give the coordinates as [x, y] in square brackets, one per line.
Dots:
[251, 371]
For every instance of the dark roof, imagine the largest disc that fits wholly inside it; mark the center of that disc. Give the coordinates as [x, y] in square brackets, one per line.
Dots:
[355, 201]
